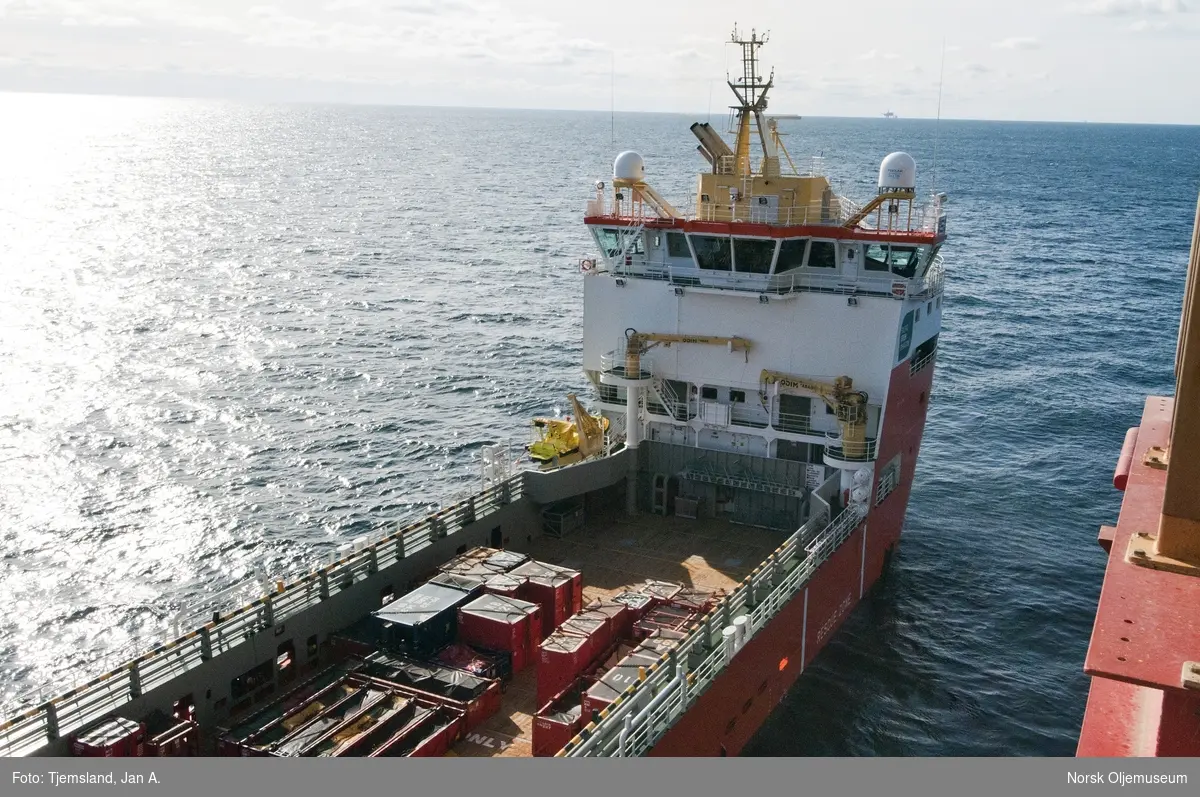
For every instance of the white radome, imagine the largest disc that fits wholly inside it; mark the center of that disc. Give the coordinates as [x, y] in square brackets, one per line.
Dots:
[629, 165]
[898, 172]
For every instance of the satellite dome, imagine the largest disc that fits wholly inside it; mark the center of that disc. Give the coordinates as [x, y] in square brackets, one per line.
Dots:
[898, 172]
[629, 165]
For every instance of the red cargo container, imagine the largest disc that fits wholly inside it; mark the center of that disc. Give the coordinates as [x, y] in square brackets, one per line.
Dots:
[563, 656]
[172, 736]
[614, 682]
[477, 698]
[575, 604]
[638, 602]
[111, 737]
[505, 584]
[432, 736]
[558, 721]
[619, 616]
[595, 629]
[499, 623]
[438, 742]
[549, 588]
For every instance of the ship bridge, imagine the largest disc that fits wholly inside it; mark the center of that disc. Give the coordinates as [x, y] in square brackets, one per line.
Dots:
[764, 224]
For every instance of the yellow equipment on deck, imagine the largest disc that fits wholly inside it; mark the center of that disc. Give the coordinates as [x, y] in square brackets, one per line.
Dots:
[638, 343]
[565, 440]
[849, 405]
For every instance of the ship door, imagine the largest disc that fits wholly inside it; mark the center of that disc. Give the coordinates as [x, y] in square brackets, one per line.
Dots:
[658, 502]
[850, 256]
[672, 491]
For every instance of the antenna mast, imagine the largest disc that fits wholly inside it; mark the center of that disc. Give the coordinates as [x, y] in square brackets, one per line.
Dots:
[751, 92]
[938, 122]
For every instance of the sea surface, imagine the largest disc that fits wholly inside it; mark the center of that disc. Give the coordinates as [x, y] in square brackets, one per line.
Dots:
[235, 337]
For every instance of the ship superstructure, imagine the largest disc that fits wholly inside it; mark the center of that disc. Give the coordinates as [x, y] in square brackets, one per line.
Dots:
[777, 320]
[673, 559]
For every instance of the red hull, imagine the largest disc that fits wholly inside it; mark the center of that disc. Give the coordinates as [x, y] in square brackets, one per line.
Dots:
[737, 704]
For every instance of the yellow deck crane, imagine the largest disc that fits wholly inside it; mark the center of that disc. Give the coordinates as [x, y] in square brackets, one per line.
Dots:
[568, 440]
[849, 405]
[638, 343]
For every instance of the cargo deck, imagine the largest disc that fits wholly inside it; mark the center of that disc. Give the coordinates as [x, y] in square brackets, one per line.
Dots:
[616, 554]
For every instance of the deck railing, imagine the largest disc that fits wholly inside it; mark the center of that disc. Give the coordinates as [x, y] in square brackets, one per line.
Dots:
[837, 210]
[797, 280]
[649, 708]
[68, 713]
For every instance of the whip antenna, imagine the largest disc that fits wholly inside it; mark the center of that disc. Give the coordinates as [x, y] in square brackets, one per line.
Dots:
[938, 122]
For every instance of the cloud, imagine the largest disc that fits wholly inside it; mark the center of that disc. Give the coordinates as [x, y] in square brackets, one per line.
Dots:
[1146, 26]
[1018, 43]
[1121, 8]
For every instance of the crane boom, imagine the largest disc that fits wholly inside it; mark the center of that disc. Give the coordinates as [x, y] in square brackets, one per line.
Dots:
[638, 343]
[848, 404]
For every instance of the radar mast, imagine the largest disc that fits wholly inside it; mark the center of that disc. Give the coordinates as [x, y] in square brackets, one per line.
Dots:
[751, 92]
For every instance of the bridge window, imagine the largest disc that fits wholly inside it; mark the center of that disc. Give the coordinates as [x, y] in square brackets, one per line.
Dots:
[753, 256]
[822, 254]
[612, 242]
[708, 393]
[875, 258]
[677, 245]
[791, 254]
[903, 260]
[609, 241]
[713, 253]
[927, 256]
[737, 396]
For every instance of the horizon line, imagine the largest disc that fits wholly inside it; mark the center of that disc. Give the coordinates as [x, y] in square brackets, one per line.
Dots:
[787, 117]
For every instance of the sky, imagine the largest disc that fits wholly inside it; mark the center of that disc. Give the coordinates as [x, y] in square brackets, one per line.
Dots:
[1052, 60]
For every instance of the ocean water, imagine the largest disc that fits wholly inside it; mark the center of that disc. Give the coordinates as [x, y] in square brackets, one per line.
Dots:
[235, 337]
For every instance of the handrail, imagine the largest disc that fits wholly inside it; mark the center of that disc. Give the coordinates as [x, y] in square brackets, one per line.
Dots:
[668, 691]
[57, 718]
[794, 281]
[838, 210]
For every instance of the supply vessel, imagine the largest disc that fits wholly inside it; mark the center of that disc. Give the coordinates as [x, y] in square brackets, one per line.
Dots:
[1144, 654]
[655, 572]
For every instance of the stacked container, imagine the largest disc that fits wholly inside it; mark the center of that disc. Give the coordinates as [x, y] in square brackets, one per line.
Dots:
[558, 721]
[638, 602]
[617, 615]
[614, 682]
[484, 562]
[172, 736]
[111, 737]
[472, 585]
[594, 629]
[563, 657]
[421, 622]
[497, 622]
[505, 584]
[550, 588]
